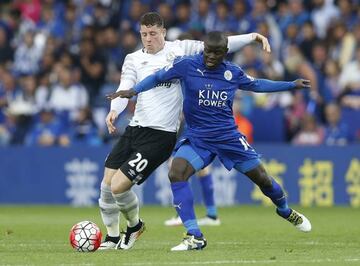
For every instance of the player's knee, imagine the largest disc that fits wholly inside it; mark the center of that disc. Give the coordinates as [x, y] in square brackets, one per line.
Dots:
[265, 181]
[108, 174]
[176, 175]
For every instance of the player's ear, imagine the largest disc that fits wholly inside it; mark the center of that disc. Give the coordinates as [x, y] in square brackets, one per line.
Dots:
[164, 33]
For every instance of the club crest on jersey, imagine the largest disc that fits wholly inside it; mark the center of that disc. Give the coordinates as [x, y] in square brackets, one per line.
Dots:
[228, 75]
[170, 56]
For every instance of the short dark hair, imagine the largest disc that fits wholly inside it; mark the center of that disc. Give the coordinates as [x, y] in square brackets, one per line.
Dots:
[216, 37]
[152, 19]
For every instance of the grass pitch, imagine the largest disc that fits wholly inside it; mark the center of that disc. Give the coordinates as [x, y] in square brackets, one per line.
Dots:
[249, 235]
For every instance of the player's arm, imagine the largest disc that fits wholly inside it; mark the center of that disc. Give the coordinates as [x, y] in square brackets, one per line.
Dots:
[118, 105]
[175, 71]
[265, 85]
[235, 43]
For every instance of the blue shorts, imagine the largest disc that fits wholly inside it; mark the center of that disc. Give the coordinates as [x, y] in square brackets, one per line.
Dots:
[233, 153]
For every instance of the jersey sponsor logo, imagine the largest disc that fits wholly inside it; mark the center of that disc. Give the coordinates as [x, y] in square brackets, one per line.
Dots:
[166, 84]
[228, 75]
[201, 72]
[213, 98]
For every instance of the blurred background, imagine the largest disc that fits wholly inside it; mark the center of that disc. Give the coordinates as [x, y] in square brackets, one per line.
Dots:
[58, 59]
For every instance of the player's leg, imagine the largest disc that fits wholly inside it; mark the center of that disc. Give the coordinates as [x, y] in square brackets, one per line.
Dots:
[186, 162]
[254, 170]
[128, 204]
[174, 220]
[207, 187]
[150, 149]
[109, 209]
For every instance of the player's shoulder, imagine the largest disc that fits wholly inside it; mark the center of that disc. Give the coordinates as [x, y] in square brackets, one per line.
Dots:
[186, 59]
[233, 68]
[134, 55]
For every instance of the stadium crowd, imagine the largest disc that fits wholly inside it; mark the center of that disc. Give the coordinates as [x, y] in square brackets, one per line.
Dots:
[58, 60]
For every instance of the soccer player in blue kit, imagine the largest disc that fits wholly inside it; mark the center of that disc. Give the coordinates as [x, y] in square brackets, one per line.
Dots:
[209, 84]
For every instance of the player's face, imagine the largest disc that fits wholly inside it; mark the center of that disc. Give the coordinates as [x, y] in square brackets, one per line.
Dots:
[214, 54]
[153, 38]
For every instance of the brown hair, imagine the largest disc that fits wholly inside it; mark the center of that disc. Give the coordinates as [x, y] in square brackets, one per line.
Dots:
[152, 19]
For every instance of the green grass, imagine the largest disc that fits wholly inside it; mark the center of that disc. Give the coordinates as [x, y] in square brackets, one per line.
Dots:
[249, 235]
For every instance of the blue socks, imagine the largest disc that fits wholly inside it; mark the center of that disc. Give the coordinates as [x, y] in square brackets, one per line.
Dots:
[184, 206]
[207, 188]
[277, 196]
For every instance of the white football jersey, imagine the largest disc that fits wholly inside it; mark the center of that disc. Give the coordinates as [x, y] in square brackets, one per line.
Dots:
[158, 108]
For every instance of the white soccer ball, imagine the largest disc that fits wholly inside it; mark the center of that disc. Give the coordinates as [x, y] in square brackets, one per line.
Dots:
[85, 236]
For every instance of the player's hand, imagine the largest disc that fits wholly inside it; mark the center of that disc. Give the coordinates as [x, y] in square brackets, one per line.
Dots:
[263, 40]
[302, 84]
[122, 94]
[110, 120]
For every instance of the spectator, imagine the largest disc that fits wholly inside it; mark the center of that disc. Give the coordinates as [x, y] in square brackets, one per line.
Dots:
[310, 133]
[341, 43]
[323, 13]
[350, 83]
[47, 131]
[224, 21]
[83, 129]
[68, 97]
[27, 56]
[6, 51]
[308, 39]
[203, 17]
[336, 131]
[92, 66]
[294, 114]
[244, 23]
[332, 73]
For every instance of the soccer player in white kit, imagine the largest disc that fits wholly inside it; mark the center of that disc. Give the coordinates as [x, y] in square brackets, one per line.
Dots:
[151, 135]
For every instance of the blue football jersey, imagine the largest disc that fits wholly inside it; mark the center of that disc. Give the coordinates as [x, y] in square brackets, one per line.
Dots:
[208, 95]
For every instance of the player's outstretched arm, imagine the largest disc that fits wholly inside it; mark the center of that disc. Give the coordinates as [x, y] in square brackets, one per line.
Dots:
[302, 84]
[263, 41]
[236, 42]
[266, 85]
[146, 84]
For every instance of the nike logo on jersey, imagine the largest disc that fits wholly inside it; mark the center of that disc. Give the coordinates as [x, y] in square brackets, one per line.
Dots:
[202, 72]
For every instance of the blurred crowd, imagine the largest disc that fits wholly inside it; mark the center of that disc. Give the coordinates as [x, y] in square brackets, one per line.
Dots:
[58, 59]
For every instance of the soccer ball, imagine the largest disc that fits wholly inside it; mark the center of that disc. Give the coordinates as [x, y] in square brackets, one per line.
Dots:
[85, 236]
